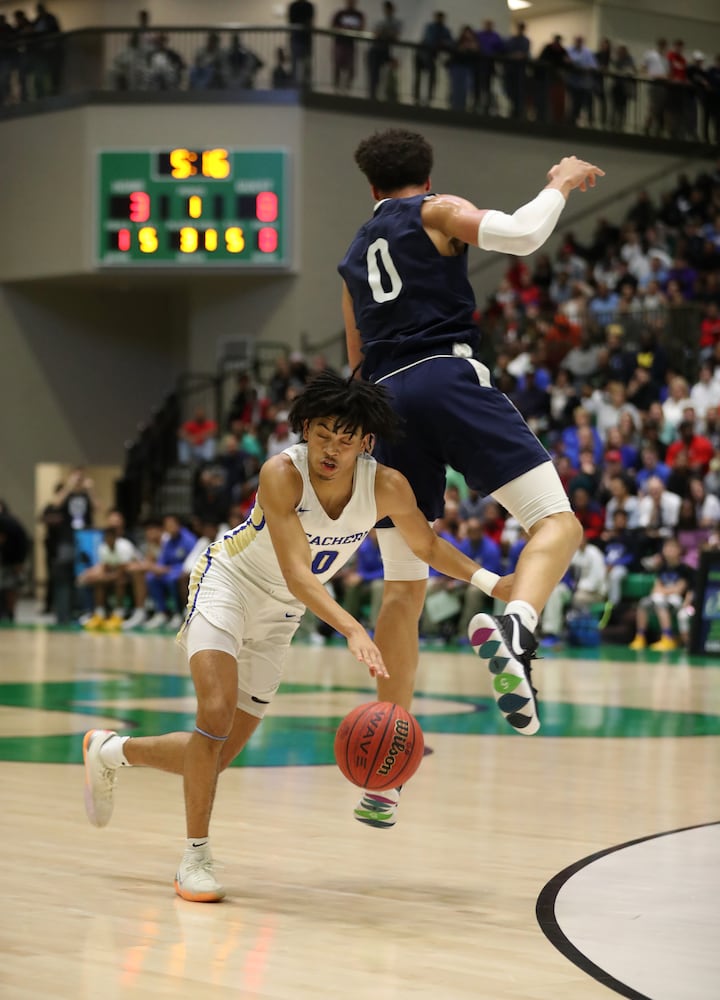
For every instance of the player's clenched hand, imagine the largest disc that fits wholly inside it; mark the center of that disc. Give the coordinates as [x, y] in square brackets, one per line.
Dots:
[572, 173]
[364, 649]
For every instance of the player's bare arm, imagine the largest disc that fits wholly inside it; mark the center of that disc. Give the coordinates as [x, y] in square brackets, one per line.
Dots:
[395, 499]
[525, 230]
[279, 492]
[353, 339]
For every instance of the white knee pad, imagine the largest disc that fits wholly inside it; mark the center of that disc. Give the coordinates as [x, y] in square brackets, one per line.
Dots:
[534, 495]
[399, 560]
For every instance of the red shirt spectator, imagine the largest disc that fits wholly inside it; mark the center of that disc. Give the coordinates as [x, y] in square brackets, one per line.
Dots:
[528, 293]
[710, 327]
[566, 471]
[199, 428]
[515, 273]
[699, 449]
[592, 521]
[493, 521]
[588, 512]
[677, 62]
[196, 439]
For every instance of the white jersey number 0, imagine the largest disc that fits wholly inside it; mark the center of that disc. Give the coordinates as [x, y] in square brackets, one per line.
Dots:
[380, 247]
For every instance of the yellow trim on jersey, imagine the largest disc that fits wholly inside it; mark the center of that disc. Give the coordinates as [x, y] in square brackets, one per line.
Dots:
[236, 541]
[232, 543]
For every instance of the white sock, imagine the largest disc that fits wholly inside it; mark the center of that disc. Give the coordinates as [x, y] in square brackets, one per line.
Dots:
[525, 612]
[112, 752]
[199, 844]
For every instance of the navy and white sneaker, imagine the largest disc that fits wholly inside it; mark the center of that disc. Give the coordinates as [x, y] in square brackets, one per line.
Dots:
[378, 809]
[507, 647]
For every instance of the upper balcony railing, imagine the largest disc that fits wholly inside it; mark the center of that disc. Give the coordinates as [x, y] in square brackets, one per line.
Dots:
[224, 62]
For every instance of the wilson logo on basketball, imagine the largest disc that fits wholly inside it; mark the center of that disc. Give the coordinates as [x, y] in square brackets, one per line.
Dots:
[366, 739]
[398, 746]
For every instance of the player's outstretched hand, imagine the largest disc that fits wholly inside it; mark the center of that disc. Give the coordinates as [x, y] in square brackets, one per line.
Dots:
[571, 173]
[364, 649]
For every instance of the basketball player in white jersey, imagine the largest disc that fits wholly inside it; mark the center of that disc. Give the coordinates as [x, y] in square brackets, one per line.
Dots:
[315, 504]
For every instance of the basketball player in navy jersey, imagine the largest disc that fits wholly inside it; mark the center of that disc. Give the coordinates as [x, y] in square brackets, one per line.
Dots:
[316, 502]
[408, 309]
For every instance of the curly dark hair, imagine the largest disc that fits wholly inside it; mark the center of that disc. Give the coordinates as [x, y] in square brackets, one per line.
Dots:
[351, 402]
[395, 159]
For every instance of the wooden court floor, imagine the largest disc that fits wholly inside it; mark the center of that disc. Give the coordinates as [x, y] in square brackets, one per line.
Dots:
[578, 864]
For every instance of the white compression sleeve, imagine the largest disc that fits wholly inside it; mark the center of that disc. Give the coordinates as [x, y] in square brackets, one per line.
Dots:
[484, 580]
[525, 230]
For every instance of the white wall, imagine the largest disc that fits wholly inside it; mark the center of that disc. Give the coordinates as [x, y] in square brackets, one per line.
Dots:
[45, 182]
[83, 366]
[541, 29]
[637, 24]
[639, 28]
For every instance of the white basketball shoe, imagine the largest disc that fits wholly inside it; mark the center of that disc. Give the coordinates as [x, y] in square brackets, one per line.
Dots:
[99, 778]
[195, 879]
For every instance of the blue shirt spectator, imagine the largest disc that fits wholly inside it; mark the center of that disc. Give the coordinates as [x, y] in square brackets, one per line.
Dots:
[163, 581]
[581, 435]
[489, 41]
[603, 305]
[368, 561]
[176, 544]
[481, 549]
[651, 466]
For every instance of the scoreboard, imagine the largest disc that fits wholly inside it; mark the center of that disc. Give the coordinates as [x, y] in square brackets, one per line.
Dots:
[200, 207]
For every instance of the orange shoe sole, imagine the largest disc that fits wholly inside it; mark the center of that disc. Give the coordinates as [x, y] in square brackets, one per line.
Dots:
[198, 897]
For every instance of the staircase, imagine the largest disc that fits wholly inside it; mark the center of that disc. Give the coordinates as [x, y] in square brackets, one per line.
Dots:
[175, 495]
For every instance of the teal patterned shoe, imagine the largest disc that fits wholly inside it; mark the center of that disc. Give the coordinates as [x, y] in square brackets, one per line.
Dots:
[506, 647]
[378, 808]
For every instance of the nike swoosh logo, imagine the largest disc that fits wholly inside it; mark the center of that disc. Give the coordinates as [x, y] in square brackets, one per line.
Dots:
[201, 844]
[290, 616]
[515, 644]
[303, 510]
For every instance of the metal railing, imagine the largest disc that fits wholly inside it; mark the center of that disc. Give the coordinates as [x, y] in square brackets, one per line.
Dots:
[226, 61]
[154, 449]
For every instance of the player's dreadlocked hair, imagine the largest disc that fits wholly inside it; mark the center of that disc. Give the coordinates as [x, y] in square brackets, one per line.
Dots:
[395, 159]
[352, 403]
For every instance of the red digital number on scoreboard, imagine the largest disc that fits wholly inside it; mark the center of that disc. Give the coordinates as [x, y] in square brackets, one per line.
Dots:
[266, 206]
[267, 239]
[139, 206]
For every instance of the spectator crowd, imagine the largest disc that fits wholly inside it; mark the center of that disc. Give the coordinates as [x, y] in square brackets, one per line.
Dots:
[471, 67]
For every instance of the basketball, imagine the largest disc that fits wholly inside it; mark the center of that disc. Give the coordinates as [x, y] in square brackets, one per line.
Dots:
[379, 746]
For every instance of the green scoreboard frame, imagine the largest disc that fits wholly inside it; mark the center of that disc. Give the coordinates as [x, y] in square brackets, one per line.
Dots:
[199, 208]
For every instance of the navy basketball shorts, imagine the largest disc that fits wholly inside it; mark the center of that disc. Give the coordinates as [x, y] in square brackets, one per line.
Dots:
[454, 416]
